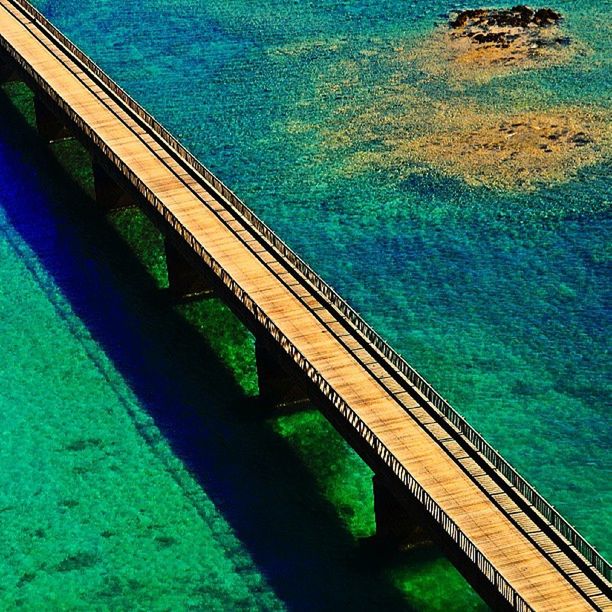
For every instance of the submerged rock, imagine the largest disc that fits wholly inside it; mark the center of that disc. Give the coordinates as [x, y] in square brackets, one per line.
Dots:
[478, 44]
[546, 16]
[520, 16]
[504, 26]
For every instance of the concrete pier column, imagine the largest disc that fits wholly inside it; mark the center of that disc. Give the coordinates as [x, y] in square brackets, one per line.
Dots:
[109, 194]
[277, 387]
[8, 72]
[49, 125]
[184, 280]
[397, 524]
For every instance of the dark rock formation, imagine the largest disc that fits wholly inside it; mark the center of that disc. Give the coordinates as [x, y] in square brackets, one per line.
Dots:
[546, 17]
[501, 27]
[489, 37]
[480, 44]
[519, 16]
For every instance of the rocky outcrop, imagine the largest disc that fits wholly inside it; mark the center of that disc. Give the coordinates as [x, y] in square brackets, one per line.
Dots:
[520, 16]
[520, 28]
[479, 44]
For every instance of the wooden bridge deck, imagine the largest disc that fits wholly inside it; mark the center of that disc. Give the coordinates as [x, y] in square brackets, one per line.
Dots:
[531, 565]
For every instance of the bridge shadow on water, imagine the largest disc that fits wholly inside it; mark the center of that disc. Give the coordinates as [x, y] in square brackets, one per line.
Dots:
[256, 479]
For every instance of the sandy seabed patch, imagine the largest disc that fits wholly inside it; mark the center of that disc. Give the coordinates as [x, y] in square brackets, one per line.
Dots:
[513, 152]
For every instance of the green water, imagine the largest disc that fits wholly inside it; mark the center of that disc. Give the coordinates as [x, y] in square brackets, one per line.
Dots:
[499, 298]
[96, 509]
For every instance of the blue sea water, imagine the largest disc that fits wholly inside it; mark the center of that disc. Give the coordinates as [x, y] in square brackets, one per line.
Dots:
[500, 298]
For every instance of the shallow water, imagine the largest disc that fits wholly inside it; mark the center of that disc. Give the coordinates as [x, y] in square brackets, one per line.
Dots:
[499, 298]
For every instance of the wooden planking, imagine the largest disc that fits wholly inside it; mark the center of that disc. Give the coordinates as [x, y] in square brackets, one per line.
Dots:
[431, 458]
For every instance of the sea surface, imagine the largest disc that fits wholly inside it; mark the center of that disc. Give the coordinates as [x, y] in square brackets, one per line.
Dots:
[137, 468]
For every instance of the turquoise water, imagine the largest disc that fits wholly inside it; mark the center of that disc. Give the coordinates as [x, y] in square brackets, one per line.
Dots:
[499, 298]
[88, 481]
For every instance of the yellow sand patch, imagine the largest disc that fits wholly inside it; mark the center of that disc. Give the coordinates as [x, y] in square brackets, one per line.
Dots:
[518, 151]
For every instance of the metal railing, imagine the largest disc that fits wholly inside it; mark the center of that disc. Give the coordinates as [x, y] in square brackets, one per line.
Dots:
[324, 289]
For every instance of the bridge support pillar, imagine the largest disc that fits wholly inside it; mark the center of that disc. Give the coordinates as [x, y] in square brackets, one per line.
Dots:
[8, 72]
[109, 194]
[184, 280]
[277, 387]
[397, 524]
[49, 125]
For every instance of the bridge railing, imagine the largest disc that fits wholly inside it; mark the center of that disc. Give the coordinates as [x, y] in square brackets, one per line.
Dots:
[395, 359]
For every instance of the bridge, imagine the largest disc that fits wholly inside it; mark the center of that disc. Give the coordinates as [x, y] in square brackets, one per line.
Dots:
[435, 476]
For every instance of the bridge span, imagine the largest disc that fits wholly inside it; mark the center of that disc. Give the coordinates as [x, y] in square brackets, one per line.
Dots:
[435, 476]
